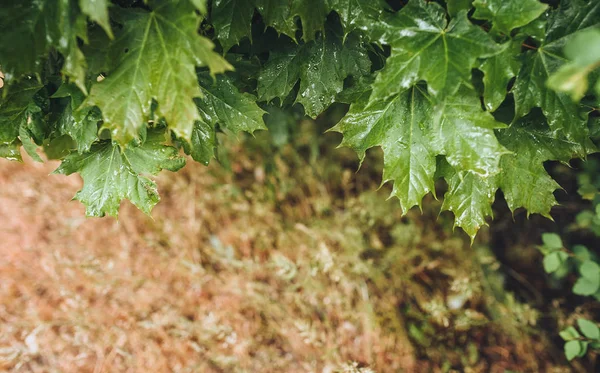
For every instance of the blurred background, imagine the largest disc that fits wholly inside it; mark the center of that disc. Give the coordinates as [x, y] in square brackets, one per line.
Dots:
[282, 256]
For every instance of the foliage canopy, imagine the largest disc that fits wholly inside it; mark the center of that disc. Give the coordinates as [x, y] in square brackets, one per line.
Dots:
[480, 93]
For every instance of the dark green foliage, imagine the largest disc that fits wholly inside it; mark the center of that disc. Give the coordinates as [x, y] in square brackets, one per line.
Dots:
[93, 81]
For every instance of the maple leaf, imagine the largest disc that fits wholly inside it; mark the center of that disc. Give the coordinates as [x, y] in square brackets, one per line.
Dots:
[111, 174]
[16, 108]
[412, 130]
[584, 52]
[523, 179]
[422, 104]
[402, 127]
[81, 125]
[223, 103]
[320, 65]
[31, 29]
[469, 198]
[154, 57]
[358, 14]
[464, 133]
[530, 89]
[497, 71]
[508, 15]
[425, 46]
[232, 18]
[97, 10]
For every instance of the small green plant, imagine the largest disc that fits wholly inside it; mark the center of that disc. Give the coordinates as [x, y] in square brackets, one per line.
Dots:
[561, 261]
[578, 343]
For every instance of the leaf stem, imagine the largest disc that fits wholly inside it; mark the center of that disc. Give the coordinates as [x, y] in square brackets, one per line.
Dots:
[529, 46]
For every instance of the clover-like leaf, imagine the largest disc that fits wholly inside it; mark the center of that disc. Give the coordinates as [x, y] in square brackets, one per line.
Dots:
[569, 334]
[553, 261]
[552, 241]
[588, 328]
[574, 349]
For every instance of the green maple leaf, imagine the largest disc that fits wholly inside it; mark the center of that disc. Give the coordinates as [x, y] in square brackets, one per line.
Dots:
[30, 29]
[154, 57]
[525, 183]
[312, 14]
[358, 14]
[455, 6]
[426, 47]
[276, 13]
[507, 15]
[97, 10]
[354, 14]
[231, 19]
[81, 125]
[33, 128]
[329, 62]
[358, 92]
[111, 174]
[200, 5]
[535, 29]
[28, 144]
[584, 52]
[11, 151]
[320, 65]
[203, 142]
[223, 103]
[96, 52]
[530, 89]
[523, 179]
[465, 134]
[16, 109]
[469, 198]
[497, 71]
[532, 134]
[281, 73]
[412, 130]
[402, 127]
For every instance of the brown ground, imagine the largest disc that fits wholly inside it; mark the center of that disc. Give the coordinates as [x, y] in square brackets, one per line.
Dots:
[143, 295]
[253, 278]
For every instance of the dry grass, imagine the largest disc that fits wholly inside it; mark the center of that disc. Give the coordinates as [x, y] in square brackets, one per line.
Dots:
[239, 273]
[199, 288]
